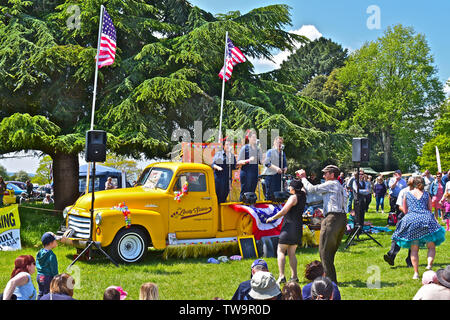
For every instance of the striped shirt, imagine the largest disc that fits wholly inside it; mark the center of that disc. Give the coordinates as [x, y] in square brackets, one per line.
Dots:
[334, 195]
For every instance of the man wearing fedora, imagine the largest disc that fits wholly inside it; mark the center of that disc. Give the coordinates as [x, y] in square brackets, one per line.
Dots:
[439, 289]
[333, 226]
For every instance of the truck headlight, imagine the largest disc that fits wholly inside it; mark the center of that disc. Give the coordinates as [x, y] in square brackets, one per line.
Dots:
[98, 218]
[65, 212]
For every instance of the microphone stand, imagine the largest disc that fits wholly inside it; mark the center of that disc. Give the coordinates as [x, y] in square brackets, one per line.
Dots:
[90, 241]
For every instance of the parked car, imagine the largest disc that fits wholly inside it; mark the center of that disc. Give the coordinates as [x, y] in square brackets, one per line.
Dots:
[17, 190]
[20, 184]
[43, 190]
[40, 191]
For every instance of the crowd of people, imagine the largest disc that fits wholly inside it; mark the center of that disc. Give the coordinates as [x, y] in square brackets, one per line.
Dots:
[53, 285]
[437, 186]
[29, 193]
[411, 203]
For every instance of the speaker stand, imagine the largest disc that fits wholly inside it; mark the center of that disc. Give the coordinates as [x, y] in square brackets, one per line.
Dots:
[359, 216]
[91, 225]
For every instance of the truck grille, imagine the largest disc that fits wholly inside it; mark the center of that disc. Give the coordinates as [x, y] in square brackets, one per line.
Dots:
[80, 226]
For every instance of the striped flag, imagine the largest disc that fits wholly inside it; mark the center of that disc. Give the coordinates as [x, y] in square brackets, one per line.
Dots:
[107, 50]
[233, 57]
[259, 214]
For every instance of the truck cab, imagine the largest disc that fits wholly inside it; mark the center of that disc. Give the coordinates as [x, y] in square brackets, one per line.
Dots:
[172, 203]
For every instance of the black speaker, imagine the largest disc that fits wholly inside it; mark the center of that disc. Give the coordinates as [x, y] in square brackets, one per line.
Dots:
[95, 150]
[249, 198]
[281, 196]
[360, 150]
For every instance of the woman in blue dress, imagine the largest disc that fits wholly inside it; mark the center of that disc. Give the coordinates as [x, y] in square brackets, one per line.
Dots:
[419, 226]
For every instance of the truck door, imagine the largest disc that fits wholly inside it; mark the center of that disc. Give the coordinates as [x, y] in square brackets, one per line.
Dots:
[192, 216]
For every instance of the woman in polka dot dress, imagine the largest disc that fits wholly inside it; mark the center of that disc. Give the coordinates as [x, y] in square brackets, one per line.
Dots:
[419, 226]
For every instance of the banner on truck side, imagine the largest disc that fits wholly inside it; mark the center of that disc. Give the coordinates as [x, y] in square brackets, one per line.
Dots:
[10, 228]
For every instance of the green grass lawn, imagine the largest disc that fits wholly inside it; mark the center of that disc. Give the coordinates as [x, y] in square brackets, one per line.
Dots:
[362, 273]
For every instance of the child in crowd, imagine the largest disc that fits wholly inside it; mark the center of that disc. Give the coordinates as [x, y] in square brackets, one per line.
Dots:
[322, 289]
[61, 288]
[114, 293]
[46, 263]
[446, 208]
[291, 291]
[149, 291]
[314, 270]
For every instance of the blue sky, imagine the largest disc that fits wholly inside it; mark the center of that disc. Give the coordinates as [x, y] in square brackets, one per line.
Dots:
[345, 21]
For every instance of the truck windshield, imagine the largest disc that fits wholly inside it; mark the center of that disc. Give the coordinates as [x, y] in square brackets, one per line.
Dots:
[154, 178]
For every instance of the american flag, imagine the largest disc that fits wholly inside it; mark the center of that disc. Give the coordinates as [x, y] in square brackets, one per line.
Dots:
[233, 57]
[260, 213]
[107, 50]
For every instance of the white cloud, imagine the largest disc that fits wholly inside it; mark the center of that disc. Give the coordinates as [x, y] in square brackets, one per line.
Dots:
[264, 65]
[447, 88]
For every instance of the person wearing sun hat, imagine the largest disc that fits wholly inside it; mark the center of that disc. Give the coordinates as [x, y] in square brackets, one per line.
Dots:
[439, 289]
[264, 287]
[244, 287]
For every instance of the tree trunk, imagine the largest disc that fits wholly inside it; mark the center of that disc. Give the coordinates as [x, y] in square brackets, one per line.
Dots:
[65, 179]
[386, 139]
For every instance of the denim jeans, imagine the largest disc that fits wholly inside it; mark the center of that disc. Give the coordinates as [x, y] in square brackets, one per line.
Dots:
[350, 201]
[380, 202]
[273, 184]
[43, 284]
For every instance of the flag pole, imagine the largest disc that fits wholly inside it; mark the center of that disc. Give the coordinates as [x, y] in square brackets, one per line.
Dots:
[102, 8]
[96, 65]
[223, 85]
[438, 159]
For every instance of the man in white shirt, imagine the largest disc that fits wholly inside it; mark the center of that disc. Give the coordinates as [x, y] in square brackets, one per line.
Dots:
[333, 226]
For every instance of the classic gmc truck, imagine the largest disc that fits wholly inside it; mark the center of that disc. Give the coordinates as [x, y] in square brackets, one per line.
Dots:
[172, 203]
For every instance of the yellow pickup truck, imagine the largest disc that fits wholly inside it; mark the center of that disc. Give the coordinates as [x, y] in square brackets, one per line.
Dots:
[160, 213]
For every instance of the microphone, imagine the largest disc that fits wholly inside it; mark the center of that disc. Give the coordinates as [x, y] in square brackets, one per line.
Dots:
[282, 147]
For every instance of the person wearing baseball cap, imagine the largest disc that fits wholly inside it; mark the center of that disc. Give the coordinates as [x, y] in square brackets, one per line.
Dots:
[245, 287]
[46, 263]
[333, 226]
